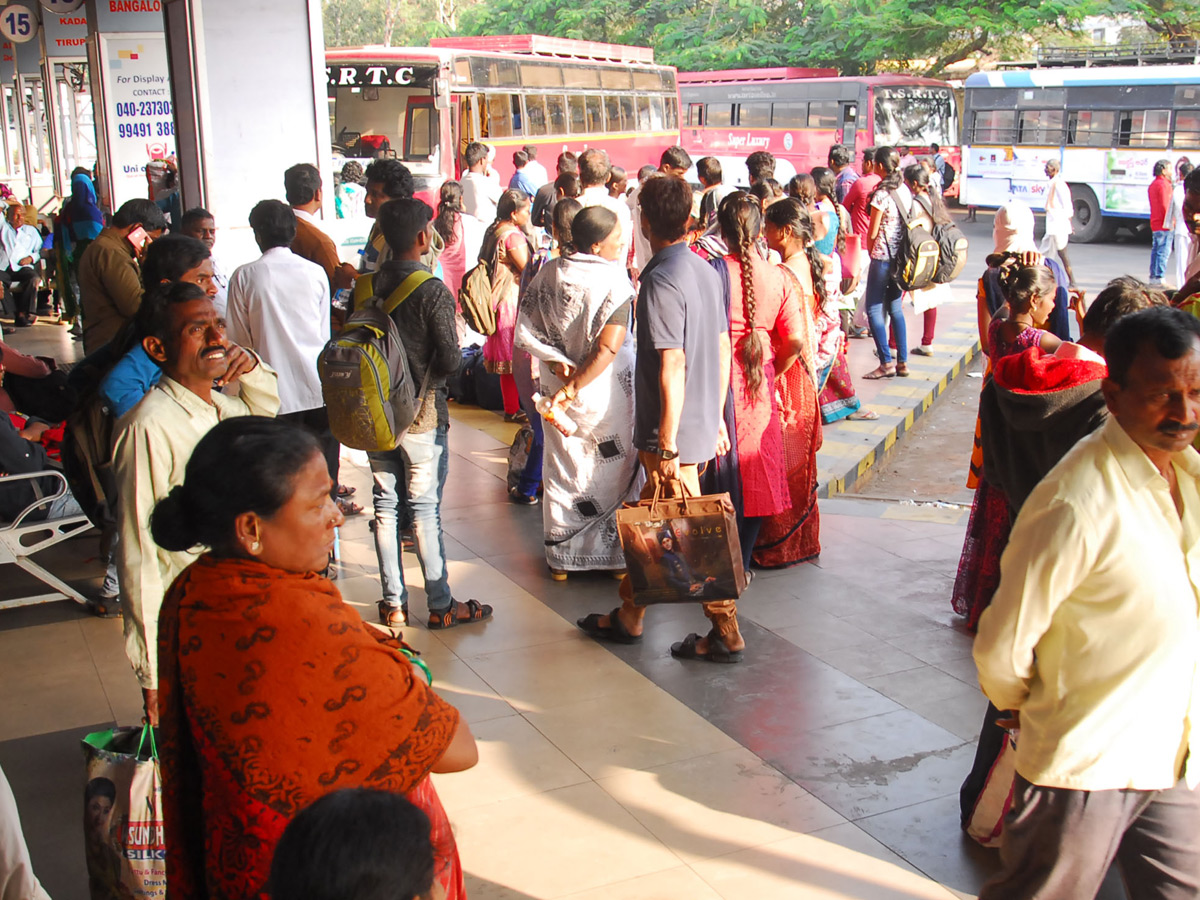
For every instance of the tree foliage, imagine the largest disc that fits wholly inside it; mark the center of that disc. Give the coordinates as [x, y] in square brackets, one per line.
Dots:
[853, 36]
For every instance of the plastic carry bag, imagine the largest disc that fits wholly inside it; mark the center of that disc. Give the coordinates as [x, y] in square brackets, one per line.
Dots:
[123, 815]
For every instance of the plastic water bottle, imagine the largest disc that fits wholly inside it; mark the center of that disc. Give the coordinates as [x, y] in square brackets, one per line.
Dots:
[341, 300]
[555, 416]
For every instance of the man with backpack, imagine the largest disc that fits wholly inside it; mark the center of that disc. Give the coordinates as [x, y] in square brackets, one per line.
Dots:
[423, 311]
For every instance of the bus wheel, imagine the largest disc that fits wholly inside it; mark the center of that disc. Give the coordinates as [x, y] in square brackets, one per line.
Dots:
[1090, 223]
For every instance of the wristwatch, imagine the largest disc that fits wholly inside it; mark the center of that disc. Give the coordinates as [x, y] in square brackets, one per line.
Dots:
[668, 454]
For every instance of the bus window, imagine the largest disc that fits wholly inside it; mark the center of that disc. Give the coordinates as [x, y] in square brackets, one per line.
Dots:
[643, 113]
[1040, 126]
[995, 126]
[695, 115]
[577, 113]
[647, 81]
[535, 115]
[656, 114]
[754, 115]
[790, 115]
[1187, 127]
[719, 115]
[1144, 128]
[499, 113]
[823, 114]
[556, 114]
[671, 111]
[421, 133]
[1090, 128]
[628, 116]
[580, 77]
[612, 114]
[541, 75]
[495, 72]
[595, 114]
[614, 79]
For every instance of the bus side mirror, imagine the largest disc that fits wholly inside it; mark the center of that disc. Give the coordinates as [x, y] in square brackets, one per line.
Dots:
[441, 92]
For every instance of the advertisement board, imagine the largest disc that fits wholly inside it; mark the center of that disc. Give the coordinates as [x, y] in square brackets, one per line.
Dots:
[139, 126]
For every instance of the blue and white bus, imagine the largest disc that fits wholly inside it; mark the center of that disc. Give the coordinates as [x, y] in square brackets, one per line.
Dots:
[1106, 127]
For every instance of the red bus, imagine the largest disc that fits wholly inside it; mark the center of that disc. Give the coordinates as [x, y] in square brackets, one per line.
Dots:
[798, 114]
[423, 105]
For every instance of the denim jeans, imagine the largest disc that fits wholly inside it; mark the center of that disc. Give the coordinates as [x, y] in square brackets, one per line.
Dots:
[425, 457]
[1160, 252]
[884, 298]
[66, 506]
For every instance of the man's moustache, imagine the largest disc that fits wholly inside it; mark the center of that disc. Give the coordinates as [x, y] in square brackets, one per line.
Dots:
[1178, 429]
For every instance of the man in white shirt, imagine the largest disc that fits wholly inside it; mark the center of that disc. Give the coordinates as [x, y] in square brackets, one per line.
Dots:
[20, 249]
[279, 307]
[155, 439]
[1060, 209]
[594, 169]
[674, 161]
[1091, 638]
[534, 170]
[480, 194]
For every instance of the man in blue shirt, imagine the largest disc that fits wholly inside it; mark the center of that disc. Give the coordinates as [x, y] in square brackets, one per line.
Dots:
[20, 250]
[680, 384]
[521, 181]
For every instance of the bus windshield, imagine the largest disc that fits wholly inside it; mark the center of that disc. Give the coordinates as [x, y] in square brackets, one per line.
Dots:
[917, 114]
[384, 111]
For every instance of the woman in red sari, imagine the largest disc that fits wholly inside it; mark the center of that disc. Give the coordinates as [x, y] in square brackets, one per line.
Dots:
[273, 692]
[766, 332]
[795, 536]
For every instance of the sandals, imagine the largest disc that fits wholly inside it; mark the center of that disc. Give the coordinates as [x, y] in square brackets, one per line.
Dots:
[881, 372]
[863, 415]
[345, 490]
[558, 574]
[921, 351]
[349, 507]
[476, 612]
[614, 632]
[393, 616]
[717, 651]
[902, 369]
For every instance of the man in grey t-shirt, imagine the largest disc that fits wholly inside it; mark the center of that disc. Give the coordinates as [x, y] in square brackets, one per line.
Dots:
[680, 385]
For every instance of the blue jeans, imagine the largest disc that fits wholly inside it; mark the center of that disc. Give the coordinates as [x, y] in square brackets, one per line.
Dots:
[1160, 252]
[425, 457]
[884, 298]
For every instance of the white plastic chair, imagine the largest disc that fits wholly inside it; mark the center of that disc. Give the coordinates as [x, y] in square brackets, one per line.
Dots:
[22, 539]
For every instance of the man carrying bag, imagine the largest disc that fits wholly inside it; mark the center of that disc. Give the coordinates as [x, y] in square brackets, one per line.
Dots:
[680, 383]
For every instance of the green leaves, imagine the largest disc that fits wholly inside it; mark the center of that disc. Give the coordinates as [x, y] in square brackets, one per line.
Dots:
[854, 36]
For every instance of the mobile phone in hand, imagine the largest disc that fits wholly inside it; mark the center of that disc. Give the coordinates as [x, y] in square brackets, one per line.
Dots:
[138, 238]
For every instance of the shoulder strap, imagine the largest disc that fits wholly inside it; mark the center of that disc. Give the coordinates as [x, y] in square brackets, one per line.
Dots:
[925, 205]
[899, 208]
[364, 288]
[407, 286]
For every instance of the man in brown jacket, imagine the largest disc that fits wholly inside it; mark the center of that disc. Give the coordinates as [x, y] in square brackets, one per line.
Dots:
[110, 284]
[302, 187]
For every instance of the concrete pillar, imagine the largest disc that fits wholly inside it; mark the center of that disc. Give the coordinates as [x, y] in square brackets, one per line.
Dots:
[249, 90]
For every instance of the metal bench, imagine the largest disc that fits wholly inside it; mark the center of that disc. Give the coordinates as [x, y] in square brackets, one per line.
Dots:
[22, 538]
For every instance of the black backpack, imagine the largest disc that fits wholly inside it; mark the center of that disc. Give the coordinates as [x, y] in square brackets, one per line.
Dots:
[952, 248]
[948, 175]
[916, 262]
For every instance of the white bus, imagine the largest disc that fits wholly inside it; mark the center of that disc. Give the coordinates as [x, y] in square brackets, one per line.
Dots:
[1106, 126]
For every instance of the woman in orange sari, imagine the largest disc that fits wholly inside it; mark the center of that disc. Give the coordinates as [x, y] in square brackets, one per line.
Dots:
[795, 536]
[273, 692]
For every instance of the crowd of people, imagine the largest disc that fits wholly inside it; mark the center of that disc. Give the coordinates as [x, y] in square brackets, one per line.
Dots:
[655, 340]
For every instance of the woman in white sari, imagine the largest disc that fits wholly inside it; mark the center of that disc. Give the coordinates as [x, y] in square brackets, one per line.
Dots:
[575, 317]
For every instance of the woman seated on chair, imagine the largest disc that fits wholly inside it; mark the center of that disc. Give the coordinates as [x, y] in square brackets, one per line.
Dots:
[272, 691]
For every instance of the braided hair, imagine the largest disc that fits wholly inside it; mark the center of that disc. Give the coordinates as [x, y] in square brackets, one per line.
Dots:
[449, 209]
[740, 218]
[789, 214]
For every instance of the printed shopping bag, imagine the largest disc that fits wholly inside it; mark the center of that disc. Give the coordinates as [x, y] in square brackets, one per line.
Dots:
[681, 549]
[122, 817]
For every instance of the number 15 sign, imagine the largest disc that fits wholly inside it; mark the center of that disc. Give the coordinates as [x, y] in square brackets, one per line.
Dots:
[18, 23]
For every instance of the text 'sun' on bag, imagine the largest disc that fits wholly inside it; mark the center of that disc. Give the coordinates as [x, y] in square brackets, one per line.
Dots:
[123, 815]
[681, 549]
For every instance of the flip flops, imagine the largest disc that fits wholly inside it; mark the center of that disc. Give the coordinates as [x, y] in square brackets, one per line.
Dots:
[614, 632]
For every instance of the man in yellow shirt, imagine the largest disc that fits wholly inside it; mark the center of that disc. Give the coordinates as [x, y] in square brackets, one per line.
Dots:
[154, 442]
[1093, 638]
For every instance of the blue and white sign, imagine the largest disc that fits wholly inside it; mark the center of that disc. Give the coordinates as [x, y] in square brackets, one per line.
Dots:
[18, 23]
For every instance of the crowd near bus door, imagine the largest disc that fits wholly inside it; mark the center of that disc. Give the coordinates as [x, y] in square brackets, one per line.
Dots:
[849, 125]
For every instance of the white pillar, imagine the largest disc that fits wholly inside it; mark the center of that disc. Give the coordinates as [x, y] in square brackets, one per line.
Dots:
[250, 98]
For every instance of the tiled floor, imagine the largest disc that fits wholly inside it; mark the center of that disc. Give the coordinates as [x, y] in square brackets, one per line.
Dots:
[827, 765]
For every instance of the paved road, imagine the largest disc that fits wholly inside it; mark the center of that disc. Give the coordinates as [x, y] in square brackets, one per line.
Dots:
[930, 462]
